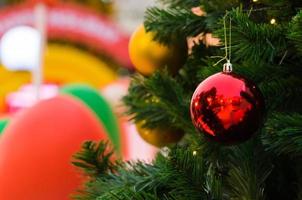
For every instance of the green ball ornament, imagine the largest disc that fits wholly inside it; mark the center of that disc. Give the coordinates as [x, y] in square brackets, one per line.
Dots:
[3, 124]
[99, 105]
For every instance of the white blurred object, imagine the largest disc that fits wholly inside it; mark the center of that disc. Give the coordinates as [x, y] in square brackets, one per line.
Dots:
[137, 148]
[114, 93]
[130, 13]
[133, 146]
[25, 97]
[40, 24]
[20, 48]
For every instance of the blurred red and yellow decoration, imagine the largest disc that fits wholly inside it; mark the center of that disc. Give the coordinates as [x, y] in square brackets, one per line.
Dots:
[37, 146]
[103, 6]
[63, 64]
[74, 23]
[148, 55]
[106, 107]
[47, 2]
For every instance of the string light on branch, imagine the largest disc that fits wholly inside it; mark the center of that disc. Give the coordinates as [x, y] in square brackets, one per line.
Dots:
[273, 21]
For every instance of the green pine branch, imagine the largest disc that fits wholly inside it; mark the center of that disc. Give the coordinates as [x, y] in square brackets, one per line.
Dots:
[266, 167]
[295, 32]
[173, 24]
[283, 134]
[251, 41]
[282, 93]
[159, 100]
[94, 159]
[249, 167]
[179, 175]
[180, 3]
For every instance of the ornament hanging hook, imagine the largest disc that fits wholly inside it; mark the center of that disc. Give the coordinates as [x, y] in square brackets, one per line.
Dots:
[230, 40]
[227, 67]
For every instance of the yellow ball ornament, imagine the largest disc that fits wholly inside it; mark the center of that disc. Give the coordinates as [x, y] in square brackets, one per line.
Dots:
[159, 137]
[148, 55]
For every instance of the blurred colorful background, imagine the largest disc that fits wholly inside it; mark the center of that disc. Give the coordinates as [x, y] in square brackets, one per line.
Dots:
[64, 69]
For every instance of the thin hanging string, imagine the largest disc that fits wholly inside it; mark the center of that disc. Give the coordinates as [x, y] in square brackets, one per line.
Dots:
[227, 45]
[227, 67]
[225, 38]
[230, 41]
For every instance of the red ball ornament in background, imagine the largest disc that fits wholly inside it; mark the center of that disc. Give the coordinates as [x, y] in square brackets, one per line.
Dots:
[227, 108]
[37, 146]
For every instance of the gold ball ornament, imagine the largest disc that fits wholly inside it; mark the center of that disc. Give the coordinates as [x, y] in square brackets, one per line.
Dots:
[159, 137]
[148, 55]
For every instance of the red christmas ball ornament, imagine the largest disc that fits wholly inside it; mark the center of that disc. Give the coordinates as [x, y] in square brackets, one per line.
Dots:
[227, 108]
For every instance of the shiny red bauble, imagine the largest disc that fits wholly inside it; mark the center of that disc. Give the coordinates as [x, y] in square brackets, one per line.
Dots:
[227, 108]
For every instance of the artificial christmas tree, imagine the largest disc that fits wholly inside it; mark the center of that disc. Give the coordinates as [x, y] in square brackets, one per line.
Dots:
[266, 47]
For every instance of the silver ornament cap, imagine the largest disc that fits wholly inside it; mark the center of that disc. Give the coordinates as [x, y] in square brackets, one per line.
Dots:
[228, 67]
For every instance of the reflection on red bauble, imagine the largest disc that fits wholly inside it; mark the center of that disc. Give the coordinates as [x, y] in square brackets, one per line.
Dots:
[227, 108]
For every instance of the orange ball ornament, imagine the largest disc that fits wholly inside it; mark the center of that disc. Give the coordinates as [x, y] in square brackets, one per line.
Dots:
[159, 137]
[148, 55]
